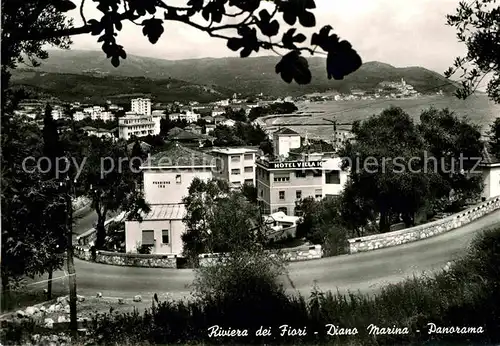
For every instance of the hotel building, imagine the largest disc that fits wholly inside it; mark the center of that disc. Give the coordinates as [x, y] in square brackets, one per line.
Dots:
[138, 125]
[167, 177]
[235, 165]
[282, 184]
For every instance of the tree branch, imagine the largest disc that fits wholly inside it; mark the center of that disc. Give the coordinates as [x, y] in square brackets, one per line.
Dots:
[81, 12]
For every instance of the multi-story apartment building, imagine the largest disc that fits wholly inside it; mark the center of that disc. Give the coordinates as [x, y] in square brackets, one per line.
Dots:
[236, 165]
[284, 140]
[282, 184]
[167, 177]
[141, 106]
[95, 113]
[138, 125]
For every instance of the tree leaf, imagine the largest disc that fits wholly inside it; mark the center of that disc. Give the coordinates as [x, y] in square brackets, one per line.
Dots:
[64, 5]
[234, 44]
[302, 73]
[290, 18]
[115, 61]
[153, 29]
[307, 19]
[299, 38]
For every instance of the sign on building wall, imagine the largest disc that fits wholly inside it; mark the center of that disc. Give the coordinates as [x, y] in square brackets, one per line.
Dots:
[296, 164]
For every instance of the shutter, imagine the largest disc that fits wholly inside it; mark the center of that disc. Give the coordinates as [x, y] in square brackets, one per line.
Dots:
[148, 237]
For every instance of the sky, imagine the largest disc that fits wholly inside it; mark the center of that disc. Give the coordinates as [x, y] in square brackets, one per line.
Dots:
[398, 32]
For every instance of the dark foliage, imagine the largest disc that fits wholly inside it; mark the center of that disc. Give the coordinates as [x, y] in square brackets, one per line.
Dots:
[467, 295]
[476, 23]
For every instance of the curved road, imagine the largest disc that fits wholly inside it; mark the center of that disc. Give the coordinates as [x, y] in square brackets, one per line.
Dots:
[366, 272]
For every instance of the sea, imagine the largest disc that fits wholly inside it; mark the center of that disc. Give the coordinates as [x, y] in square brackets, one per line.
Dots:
[478, 109]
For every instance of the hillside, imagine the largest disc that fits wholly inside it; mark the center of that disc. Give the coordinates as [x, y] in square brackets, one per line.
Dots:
[98, 89]
[249, 76]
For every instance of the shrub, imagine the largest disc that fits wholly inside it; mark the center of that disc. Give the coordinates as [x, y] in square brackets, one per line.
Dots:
[243, 292]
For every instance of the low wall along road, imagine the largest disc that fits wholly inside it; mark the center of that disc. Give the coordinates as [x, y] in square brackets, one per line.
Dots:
[127, 259]
[170, 261]
[427, 230]
[304, 253]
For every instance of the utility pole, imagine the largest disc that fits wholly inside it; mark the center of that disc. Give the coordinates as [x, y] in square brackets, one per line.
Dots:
[334, 122]
[69, 259]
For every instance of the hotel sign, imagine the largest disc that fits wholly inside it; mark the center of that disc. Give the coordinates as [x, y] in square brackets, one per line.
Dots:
[296, 164]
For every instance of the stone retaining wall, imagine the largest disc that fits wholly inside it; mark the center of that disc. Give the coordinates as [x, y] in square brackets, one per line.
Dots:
[430, 229]
[304, 253]
[127, 259]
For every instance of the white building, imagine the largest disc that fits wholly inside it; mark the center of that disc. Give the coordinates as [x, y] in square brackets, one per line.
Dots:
[282, 184]
[189, 116]
[227, 122]
[91, 131]
[161, 229]
[236, 165]
[283, 140]
[141, 106]
[79, 116]
[218, 111]
[57, 113]
[167, 177]
[280, 226]
[138, 125]
[95, 113]
[222, 103]
[490, 168]
[209, 129]
[158, 112]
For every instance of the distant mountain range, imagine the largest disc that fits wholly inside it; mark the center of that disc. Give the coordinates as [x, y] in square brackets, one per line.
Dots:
[98, 89]
[224, 75]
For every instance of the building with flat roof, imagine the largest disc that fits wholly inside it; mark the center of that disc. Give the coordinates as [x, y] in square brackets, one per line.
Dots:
[236, 165]
[283, 183]
[138, 125]
[141, 106]
[167, 178]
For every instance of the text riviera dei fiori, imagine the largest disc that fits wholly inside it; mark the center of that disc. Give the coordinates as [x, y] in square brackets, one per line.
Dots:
[333, 330]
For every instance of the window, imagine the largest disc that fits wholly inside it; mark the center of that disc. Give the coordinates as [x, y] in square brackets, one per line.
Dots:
[235, 159]
[298, 194]
[283, 209]
[235, 171]
[282, 194]
[300, 174]
[164, 236]
[248, 169]
[281, 178]
[248, 157]
[261, 193]
[249, 181]
[148, 237]
[317, 173]
[318, 193]
[178, 179]
[332, 177]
